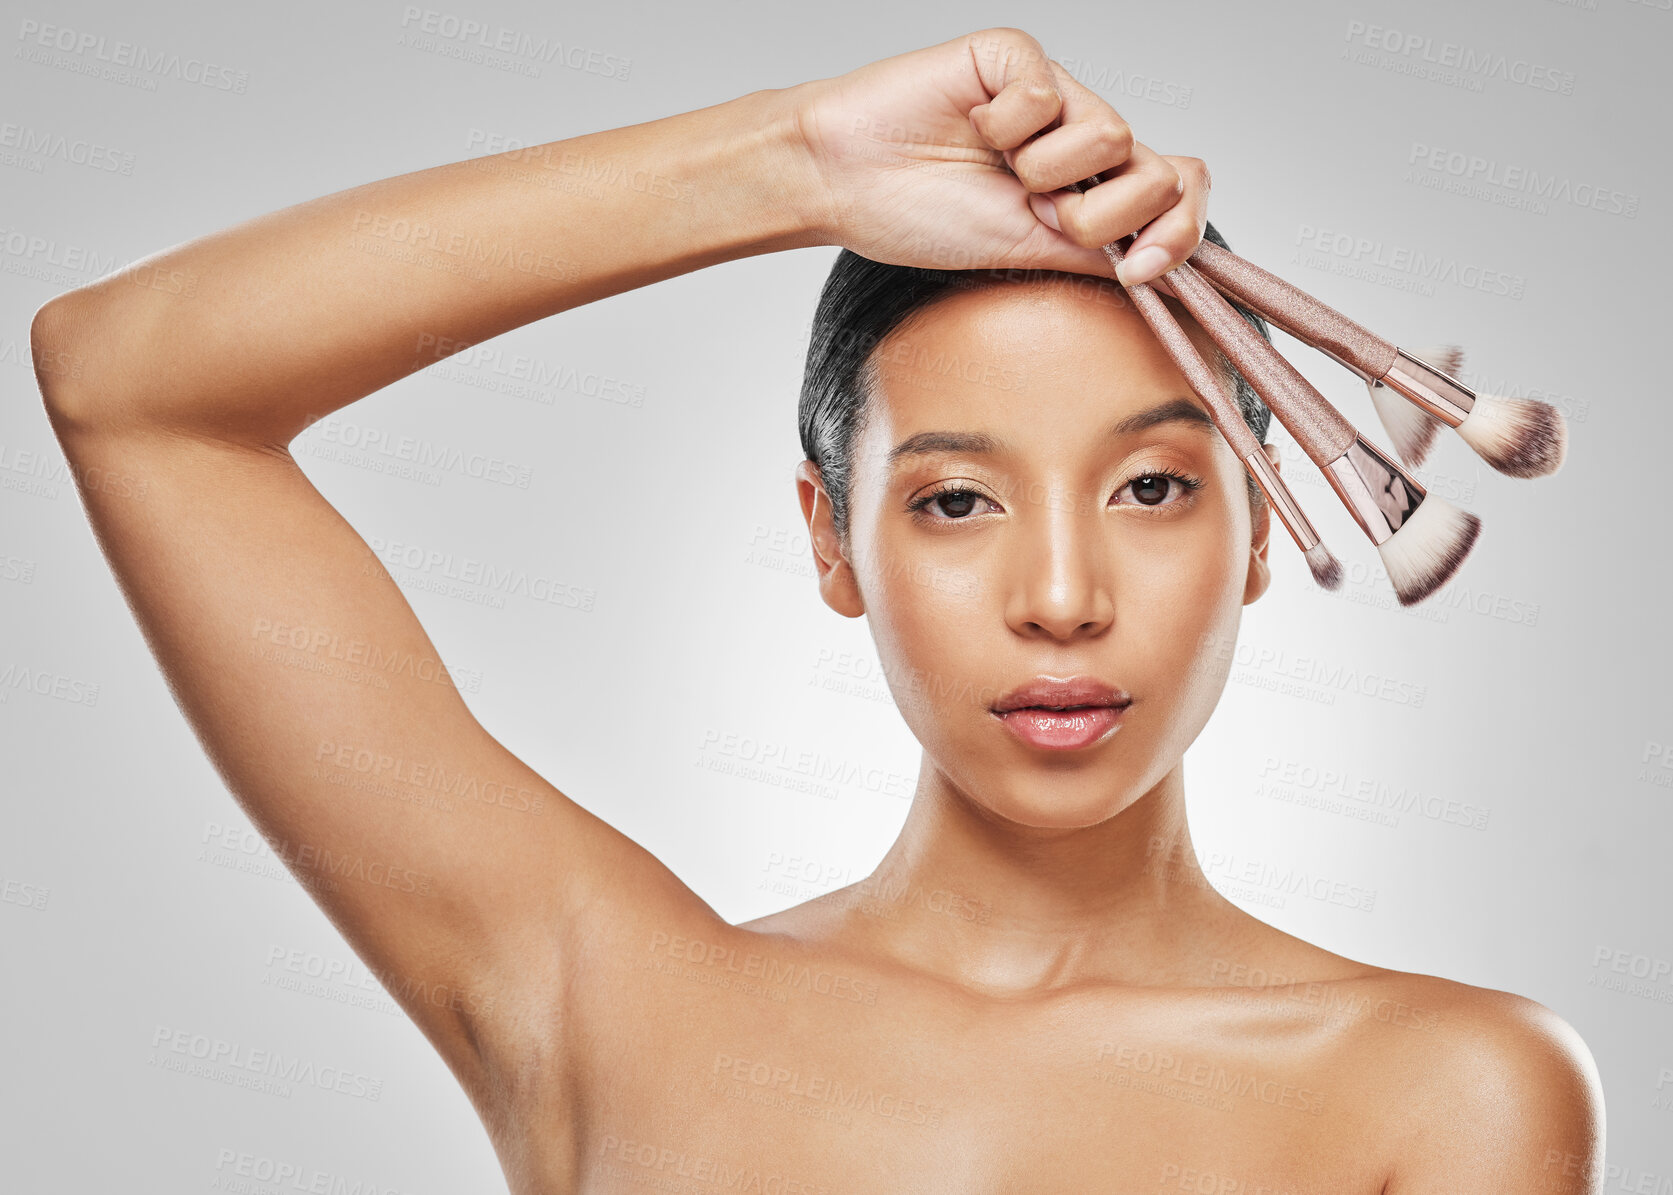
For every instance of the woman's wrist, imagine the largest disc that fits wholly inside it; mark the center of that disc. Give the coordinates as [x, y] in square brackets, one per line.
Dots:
[758, 177]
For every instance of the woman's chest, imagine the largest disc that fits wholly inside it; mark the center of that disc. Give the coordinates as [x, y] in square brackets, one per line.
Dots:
[720, 1072]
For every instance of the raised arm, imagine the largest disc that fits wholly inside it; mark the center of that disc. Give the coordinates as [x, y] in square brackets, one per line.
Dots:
[298, 663]
[252, 333]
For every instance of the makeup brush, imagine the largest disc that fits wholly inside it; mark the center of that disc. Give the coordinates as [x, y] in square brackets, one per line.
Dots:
[1211, 388]
[1222, 406]
[1518, 436]
[1417, 427]
[1422, 539]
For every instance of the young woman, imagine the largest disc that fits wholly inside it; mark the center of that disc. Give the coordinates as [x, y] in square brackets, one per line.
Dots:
[1052, 547]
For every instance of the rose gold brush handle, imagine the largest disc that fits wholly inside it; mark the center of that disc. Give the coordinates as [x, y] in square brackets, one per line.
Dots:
[1210, 387]
[1518, 436]
[1317, 426]
[1351, 344]
[1381, 496]
[1321, 430]
[1295, 311]
[1422, 540]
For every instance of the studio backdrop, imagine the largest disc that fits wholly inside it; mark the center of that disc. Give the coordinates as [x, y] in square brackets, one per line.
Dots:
[601, 503]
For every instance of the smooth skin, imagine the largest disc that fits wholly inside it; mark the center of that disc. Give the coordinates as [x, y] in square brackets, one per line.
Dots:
[1038, 990]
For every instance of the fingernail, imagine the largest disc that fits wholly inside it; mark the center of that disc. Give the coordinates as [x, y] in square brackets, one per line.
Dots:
[1143, 265]
[1046, 210]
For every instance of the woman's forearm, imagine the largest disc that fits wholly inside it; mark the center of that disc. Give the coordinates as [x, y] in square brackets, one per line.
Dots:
[256, 331]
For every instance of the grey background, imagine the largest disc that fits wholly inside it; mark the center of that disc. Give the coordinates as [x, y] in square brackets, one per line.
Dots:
[1532, 691]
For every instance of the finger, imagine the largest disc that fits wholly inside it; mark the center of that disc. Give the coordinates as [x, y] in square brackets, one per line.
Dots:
[1015, 71]
[1137, 192]
[1090, 138]
[1174, 235]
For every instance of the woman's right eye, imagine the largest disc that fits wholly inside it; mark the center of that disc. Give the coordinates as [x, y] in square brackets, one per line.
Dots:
[951, 503]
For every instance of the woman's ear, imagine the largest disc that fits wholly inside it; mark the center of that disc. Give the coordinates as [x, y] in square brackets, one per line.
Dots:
[837, 584]
[1260, 573]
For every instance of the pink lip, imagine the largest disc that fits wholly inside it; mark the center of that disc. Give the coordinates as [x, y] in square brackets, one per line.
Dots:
[1066, 731]
[1099, 712]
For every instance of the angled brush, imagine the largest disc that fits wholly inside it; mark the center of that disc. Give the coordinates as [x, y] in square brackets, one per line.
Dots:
[1422, 539]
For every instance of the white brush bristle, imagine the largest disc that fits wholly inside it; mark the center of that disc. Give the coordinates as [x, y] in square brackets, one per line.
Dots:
[1448, 358]
[1519, 436]
[1428, 548]
[1410, 428]
[1326, 569]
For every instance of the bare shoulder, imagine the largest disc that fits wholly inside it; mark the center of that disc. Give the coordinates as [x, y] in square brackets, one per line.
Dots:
[1481, 1089]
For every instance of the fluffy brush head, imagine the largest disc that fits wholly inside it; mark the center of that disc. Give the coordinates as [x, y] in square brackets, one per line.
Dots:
[1448, 358]
[1326, 569]
[1519, 436]
[1410, 428]
[1428, 548]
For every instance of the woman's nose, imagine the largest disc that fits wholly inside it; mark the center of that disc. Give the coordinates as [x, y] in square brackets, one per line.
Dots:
[1059, 575]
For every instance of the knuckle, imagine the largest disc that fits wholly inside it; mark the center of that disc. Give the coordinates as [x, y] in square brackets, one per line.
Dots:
[1008, 45]
[1168, 185]
[1036, 89]
[1114, 137]
[1198, 171]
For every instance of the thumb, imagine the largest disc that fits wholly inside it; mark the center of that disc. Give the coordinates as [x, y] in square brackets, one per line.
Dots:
[1054, 250]
[1044, 210]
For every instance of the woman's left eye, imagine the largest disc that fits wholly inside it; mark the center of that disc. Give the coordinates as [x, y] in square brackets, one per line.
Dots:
[1158, 489]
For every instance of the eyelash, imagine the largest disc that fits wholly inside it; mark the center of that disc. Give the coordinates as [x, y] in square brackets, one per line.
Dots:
[917, 505]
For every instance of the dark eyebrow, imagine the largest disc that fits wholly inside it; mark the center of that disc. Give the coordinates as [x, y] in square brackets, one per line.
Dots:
[1181, 410]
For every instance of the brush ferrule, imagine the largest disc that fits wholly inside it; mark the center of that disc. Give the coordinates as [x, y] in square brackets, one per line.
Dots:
[1434, 391]
[1379, 494]
[1283, 502]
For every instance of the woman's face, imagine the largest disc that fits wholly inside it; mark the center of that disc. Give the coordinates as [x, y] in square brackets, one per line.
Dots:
[1006, 526]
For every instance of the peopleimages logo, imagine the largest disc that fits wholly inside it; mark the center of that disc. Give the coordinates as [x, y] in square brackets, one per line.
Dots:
[1118, 81]
[454, 36]
[359, 441]
[240, 1066]
[122, 61]
[1420, 48]
[1350, 255]
[1471, 173]
[248, 1173]
[1211, 1077]
[77, 151]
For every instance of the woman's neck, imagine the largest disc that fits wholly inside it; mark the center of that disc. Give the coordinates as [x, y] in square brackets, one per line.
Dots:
[1005, 908]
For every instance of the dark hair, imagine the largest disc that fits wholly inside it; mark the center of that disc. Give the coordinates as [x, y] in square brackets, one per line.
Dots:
[862, 303]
